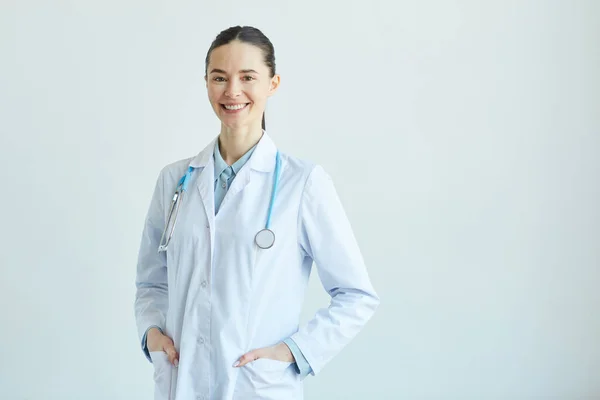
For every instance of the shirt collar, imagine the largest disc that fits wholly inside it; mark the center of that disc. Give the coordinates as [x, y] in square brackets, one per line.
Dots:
[263, 157]
[221, 165]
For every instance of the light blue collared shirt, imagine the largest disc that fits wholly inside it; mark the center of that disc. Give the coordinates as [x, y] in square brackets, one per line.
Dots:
[224, 175]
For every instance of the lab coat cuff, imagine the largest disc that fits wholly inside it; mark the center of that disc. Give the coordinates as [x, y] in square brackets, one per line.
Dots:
[305, 349]
[302, 366]
[144, 340]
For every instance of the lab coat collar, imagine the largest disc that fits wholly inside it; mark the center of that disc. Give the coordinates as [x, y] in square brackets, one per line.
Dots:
[262, 159]
[205, 156]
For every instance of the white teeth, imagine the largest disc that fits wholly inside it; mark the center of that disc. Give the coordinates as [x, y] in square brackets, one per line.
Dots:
[235, 107]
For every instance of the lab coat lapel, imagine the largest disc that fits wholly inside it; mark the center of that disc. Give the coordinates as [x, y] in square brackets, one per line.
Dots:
[262, 160]
[206, 188]
[205, 184]
[239, 183]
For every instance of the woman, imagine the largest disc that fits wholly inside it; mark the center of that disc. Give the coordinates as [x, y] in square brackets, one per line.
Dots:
[218, 307]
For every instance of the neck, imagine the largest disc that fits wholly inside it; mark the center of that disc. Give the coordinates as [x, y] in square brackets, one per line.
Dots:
[234, 143]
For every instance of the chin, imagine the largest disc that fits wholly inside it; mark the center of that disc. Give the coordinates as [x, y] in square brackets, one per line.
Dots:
[236, 123]
[233, 123]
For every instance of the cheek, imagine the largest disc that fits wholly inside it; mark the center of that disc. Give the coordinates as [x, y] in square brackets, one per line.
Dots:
[214, 93]
[258, 94]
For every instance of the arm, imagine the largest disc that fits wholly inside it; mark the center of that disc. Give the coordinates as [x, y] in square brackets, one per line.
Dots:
[151, 297]
[326, 236]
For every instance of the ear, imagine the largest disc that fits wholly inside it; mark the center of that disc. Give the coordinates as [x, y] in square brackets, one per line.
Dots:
[274, 84]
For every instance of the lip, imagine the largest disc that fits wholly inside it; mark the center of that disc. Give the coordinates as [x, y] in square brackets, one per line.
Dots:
[233, 111]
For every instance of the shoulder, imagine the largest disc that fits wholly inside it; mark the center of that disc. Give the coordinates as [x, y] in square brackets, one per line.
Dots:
[311, 174]
[177, 166]
[295, 165]
[173, 171]
[176, 169]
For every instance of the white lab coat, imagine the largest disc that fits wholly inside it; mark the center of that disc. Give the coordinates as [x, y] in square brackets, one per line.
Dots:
[218, 295]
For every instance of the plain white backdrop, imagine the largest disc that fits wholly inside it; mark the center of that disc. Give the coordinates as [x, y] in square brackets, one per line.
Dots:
[463, 138]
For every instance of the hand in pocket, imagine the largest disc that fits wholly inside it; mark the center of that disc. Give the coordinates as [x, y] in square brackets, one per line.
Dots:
[157, 341]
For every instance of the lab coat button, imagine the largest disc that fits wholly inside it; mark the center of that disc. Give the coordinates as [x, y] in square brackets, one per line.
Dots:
[203, 284]
[201, 340]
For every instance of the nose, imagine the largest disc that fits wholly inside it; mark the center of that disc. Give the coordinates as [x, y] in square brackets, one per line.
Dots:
[233, 89]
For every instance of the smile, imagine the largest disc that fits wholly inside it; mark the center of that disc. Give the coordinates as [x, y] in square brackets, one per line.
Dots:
[233, 108]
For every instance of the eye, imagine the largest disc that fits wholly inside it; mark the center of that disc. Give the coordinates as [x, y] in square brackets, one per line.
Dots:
[219, 79]
[248, 78]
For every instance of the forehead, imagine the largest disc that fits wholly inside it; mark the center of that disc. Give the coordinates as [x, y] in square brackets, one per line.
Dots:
[236, 56]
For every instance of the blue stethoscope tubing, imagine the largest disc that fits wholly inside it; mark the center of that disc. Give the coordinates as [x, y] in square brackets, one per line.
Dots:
[265, 238]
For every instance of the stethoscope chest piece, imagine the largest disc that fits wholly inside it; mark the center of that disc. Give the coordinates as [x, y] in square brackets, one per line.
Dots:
[265, 238]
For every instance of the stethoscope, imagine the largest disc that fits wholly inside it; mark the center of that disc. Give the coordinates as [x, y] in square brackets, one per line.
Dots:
[264, 239]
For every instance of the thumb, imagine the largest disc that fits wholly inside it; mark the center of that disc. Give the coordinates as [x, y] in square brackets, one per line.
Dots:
[172, 354]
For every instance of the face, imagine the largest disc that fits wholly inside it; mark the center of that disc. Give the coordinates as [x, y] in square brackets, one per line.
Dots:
[239, 84]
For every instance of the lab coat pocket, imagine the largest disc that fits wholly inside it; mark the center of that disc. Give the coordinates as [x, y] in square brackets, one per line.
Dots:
[163, 375]
[265, 372]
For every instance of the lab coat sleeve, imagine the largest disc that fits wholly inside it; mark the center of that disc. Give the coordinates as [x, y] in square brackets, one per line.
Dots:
[325, 235]
[151, 297]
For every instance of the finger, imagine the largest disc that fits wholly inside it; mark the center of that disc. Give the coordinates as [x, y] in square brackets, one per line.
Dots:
[243, 360]
[247, 358]
[172, 354]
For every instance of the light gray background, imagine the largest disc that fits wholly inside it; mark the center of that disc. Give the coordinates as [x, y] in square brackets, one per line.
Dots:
[463, 137]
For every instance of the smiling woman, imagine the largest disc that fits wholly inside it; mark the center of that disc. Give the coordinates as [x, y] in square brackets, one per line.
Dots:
[218, 304]
[240, 75]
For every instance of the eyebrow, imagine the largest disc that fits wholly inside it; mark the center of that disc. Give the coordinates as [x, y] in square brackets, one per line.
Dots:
[243, 71]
